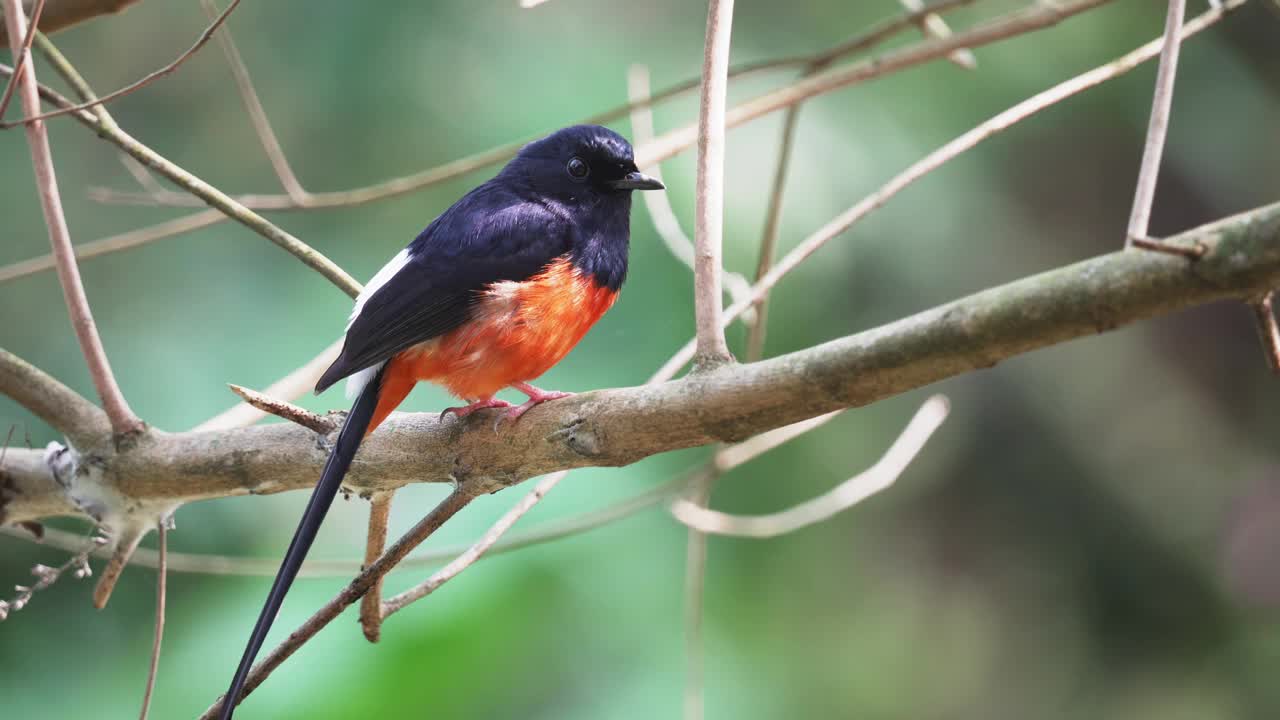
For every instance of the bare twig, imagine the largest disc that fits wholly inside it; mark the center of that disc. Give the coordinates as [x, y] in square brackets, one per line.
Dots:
[22, 57]
[106, 128]
[281, 409]
[447, 508]
[141, 83]
[139, 173]
[709, 193]
[46, 576]
[695, 583]
[932, 25]
[371, 604]
[1158, 126]
[675, 142]
[953, 149]
[126, 541]
[849, 493]
[473, 553]
[162, 531]
[1268, 332]
[1195, 252]
[115, 243]
[659, 203]
[122, 418]
[288, 388]
[257, 114]
[772, 224]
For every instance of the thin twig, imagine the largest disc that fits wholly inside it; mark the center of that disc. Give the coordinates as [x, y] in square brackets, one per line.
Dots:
[257, 114]
[695, 583]
[139, 173]
[371, 603]
[144, 81]
[932, 25]
[106, 128]
[476, 551]
[281, 409]
[456, 168]
[126, 542]
[115, 243]
[757, 329]
[1195, 252]
[659, 203]
[46, 576]
[446, 509]
[288, 388]
[162, 531]
[948, 152]
[849, 493]
[122, 418]
[1158, 126]
[708, 230]
[1268, 332]
[21, 60]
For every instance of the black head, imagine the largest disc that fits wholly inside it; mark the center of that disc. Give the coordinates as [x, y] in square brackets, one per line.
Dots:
[580, 165]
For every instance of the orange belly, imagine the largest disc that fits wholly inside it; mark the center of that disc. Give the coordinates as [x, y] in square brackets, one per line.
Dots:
[517, 332]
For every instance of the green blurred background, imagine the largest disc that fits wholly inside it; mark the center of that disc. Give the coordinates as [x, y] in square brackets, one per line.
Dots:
[1093, 533]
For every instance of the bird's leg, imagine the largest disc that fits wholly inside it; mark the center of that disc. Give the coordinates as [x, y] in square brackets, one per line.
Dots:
[482, 403]
[537, 396]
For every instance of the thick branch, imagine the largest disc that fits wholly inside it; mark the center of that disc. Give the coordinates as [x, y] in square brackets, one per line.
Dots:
[63, 408]
[621, 426]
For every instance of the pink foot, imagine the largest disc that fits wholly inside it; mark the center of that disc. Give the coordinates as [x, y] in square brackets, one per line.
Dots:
[462, 412]
[536, 397]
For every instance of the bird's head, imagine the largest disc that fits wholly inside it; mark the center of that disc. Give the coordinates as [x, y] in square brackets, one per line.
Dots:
[582, 164]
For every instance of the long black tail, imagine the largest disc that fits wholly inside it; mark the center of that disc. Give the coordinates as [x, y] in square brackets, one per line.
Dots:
[321, 498]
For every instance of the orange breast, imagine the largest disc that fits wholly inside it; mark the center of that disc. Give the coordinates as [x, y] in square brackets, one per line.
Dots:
[517, 332]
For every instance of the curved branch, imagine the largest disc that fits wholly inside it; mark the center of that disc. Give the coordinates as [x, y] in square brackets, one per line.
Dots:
[620, 426]
[84, 423]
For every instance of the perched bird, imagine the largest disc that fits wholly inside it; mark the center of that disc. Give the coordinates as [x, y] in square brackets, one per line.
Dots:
[493, 293]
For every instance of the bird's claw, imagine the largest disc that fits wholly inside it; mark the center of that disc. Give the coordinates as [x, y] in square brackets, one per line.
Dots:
[536, 397]
[463, 411]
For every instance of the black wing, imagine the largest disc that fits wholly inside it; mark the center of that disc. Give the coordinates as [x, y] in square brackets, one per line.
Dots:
[488, 236]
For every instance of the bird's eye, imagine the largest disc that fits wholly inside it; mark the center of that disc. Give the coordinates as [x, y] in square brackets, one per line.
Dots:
[578, 168]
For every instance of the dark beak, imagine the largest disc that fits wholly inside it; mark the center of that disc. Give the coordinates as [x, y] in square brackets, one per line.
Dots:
[637, 181]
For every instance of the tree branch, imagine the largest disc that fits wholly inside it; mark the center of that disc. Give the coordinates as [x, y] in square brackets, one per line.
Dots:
[84, 423]
[620, 426]
[708, 228]
[1158, 125]
[122, 418]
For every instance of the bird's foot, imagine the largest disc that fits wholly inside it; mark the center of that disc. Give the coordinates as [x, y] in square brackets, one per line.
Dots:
[464, 411]
[537, 396]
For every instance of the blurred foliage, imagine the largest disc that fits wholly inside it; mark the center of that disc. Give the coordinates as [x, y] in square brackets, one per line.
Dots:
[1082, 539]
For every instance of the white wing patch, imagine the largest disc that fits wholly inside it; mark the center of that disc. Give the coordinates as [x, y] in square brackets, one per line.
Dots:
[379, 279]
[358, 380]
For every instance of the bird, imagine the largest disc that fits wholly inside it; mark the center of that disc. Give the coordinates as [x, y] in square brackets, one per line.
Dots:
[491, 295]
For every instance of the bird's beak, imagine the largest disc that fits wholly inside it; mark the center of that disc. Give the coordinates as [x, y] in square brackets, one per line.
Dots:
[637, 181]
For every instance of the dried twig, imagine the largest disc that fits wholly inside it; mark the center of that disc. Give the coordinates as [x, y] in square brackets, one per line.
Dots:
[950, 151]
[46, 576]
[659, 203]
[162, 531]
[473, 553]
[849, 493]
[288, 388]
[1158, 126]
[126, 542]
[141, 83]
[122, 418]
[1268, 332]
[105, 127]
[932, 25]
[708, 229]
[22, 57]
[115, 243]
[258, 115]
[371, 604]
[447, 508]
[281, 409]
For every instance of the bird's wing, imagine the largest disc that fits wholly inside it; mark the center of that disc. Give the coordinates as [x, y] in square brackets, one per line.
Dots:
[488, 236]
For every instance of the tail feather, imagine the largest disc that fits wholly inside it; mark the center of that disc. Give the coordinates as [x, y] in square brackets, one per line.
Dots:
[335, 468]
